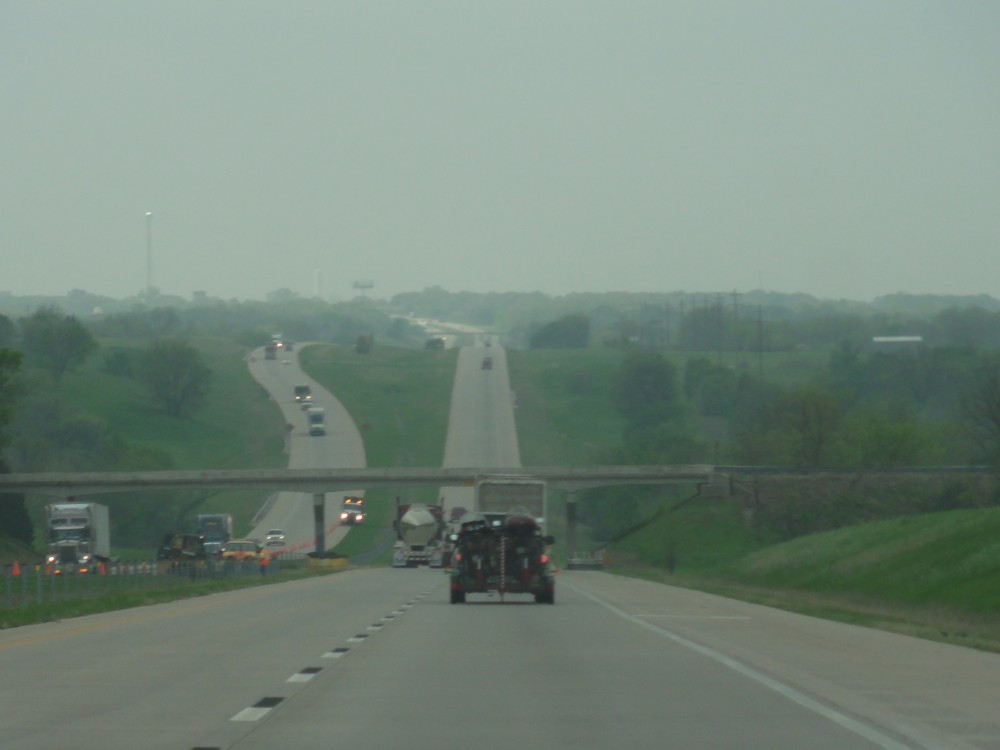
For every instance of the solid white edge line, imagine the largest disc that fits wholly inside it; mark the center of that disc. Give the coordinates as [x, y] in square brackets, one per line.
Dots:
[869, 733]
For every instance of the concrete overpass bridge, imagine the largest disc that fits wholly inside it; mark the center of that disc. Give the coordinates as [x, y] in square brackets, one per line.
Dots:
[705, 480]
[317, 482]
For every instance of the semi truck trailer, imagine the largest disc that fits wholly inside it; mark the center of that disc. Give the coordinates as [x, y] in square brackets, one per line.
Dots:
[78, 537]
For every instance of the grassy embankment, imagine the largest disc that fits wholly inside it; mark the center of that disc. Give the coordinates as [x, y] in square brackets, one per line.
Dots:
[157, 591]
[933, 576]
[399, 399]
[237, 428]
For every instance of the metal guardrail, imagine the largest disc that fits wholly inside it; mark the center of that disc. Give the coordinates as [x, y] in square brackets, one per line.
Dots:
[26, 585]
[588, 561]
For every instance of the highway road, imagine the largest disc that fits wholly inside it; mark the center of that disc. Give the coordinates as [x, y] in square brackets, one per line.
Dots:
[377, 658]
[481, 427]
[341, 447]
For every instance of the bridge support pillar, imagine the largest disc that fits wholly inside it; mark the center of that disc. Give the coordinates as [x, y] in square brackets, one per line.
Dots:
[570, 525]
[319, 521]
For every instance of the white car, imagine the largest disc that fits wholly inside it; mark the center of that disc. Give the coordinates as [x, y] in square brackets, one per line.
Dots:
[275, 537]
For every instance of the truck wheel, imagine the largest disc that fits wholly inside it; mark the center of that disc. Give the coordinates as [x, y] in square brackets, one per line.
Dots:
[457, 597]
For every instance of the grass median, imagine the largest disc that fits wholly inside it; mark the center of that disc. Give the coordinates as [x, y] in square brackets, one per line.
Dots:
[148, 590]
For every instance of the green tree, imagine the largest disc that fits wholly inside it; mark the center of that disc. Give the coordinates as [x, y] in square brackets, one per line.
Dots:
[710, 386]
[810, 417]
[8, 331]
[55, 342]
[883, 436]
[14, 520]
[981, 408]
[176, 376]
[570, 332]
[646, 389]
[10, 363]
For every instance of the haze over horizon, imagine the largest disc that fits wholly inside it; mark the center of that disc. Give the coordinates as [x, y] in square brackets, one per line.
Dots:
[847, 151]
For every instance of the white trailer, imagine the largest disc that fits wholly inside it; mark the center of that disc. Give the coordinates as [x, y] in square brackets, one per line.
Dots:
[78, 536]
[512, 495]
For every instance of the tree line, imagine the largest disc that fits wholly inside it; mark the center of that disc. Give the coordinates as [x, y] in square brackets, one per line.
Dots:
[40, 430]
[861, 411]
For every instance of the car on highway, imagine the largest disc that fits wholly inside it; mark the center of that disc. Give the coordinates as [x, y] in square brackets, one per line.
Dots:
[274, 537]
[353, 511]
[315, 420]
[240, 550]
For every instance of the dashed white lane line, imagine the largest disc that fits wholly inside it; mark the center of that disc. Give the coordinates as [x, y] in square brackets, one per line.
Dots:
[257, 711]
[305, 675]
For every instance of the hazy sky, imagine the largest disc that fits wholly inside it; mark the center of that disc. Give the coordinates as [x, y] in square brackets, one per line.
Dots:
[842, 148]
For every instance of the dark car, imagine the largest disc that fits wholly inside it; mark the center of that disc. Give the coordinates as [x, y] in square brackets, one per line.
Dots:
[182, 547]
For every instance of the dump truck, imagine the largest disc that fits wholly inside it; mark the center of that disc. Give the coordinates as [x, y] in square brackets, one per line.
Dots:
[502, 554]
[78, 537]
[217, 528]
[419, 535]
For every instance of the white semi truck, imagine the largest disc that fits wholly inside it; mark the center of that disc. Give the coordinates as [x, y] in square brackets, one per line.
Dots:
[499, 496]
[78, 537]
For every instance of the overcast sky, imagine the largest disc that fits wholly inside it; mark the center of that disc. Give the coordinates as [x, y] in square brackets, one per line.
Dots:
[841, 148]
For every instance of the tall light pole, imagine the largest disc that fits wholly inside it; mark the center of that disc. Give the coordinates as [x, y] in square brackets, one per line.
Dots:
[149, 254]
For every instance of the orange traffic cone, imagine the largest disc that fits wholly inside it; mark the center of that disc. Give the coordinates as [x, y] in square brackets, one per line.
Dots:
[16, 569]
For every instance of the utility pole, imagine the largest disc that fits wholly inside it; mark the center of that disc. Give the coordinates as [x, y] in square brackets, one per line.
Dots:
[149, 254]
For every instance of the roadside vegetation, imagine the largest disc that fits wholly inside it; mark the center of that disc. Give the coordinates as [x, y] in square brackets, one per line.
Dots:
[99, 420]
[609, 379]
[154, 590]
